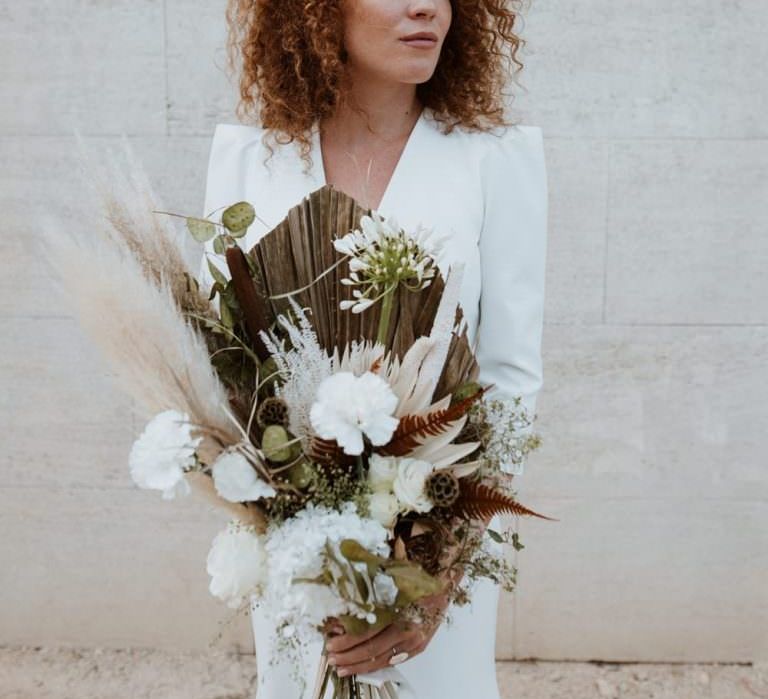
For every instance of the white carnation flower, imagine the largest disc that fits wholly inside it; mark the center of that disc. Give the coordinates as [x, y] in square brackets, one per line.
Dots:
[381, 472]
[348, 406]
[236, 563]
[410, 482]
[162, 452]
[237, 481]
[384, 508]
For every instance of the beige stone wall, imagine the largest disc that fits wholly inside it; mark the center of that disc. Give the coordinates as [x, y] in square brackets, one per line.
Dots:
[654, 405]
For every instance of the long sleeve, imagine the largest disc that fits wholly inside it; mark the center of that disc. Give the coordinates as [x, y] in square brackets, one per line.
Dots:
[513, 248]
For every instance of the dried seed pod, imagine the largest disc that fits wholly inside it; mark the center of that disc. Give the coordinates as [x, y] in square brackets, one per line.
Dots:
[272, 411]
[442, 488]
[471, 432]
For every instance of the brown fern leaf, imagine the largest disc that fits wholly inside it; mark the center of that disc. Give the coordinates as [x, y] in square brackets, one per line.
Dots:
[479, 501]
[412, 430]
[328, 451]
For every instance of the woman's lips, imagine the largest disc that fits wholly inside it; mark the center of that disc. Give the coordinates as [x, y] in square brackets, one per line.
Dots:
[420, 43]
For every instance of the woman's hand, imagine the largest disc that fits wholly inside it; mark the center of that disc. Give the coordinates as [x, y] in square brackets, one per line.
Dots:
[358, 654]
[355, 655]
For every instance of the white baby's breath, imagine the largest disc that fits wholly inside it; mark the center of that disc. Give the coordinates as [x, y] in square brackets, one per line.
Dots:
[161, 454]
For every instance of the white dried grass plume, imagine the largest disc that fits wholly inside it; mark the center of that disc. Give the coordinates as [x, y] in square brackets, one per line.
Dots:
[303, 366]
[158, 357]
[127, 200]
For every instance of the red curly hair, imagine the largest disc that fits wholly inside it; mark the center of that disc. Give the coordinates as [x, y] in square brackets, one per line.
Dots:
[293, 71]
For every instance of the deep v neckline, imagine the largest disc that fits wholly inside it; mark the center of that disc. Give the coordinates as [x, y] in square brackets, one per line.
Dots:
[319, 165]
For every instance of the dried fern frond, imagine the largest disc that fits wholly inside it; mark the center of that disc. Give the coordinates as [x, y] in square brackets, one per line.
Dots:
[413, 430]
[479, 501]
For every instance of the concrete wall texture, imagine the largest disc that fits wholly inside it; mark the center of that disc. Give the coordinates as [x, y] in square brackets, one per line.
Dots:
[656, 343]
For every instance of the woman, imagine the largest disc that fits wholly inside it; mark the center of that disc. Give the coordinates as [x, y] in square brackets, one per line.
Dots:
[398, 103]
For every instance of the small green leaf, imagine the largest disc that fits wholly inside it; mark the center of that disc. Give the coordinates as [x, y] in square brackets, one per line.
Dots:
[218, 245]
[412, 581]
[237, 218]
[353, 625]
[201, 230]
[498, 538]
[354, 551]
[227, 319]
[216, 273]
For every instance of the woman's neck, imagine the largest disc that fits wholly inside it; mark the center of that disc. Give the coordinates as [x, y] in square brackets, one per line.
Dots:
[385, 111]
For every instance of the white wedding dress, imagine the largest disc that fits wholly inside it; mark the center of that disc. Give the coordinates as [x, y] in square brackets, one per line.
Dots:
[488, 191]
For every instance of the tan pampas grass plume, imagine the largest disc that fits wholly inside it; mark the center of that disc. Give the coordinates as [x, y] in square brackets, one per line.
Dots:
[158, 357]
[127, 202]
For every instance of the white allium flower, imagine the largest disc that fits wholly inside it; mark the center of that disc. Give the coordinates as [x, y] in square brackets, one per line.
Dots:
[384, 507]
[349, 406]
[385, 589]
[383, 255]
[237, 481]
[381, 472]
[410, 482]
[236, 563]
[162, 452]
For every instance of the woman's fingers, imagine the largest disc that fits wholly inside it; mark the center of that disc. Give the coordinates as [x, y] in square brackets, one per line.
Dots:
[377, 651]
[346, 641]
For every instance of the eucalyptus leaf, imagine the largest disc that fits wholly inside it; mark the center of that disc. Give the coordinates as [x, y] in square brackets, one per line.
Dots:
[354, 551]
[217, 274]
[200, 229]
[237, 218]
[413, 581]
[498, 538]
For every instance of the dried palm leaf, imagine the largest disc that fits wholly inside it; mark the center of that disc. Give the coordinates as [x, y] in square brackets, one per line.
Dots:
[298, 256]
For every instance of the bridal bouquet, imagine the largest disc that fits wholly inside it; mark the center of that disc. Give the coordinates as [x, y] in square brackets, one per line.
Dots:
[323, 392]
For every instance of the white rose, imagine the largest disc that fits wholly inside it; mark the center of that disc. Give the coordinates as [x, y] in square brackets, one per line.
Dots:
[383, 507]
[409, 485]
[162, 452]
[237, 481]
[381, 472]
[236, 563]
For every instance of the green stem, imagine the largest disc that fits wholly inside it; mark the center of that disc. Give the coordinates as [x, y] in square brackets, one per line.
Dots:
[386, 312]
